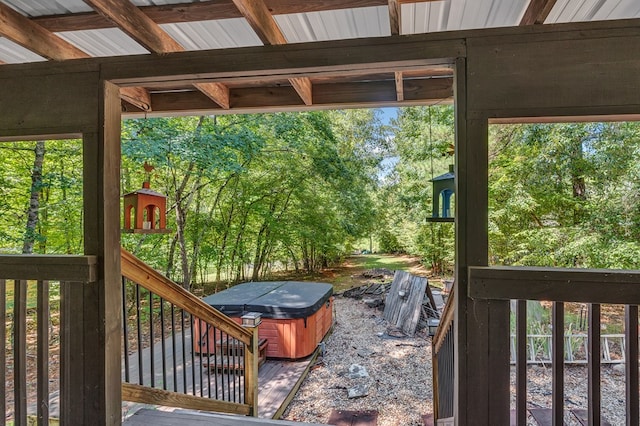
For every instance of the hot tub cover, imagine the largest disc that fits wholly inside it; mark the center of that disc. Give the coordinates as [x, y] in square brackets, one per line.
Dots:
[273, 299]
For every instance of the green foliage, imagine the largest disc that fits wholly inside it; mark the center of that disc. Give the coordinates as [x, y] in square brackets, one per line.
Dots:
[565, 195]
[60, 224]
[422, 139]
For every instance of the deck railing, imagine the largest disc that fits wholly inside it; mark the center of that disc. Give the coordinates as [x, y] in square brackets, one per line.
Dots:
[178, 351]
[559, 286]
[442, 349]
[37, 341]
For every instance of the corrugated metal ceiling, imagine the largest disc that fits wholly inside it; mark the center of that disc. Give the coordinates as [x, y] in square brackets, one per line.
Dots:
[422, 17]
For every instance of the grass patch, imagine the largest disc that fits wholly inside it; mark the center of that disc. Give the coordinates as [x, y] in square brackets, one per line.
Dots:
[388, 261]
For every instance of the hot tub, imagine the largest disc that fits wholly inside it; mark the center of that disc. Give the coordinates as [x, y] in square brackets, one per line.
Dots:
[295, 315]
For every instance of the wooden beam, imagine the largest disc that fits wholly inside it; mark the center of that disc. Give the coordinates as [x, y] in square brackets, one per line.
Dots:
[146, 395]
[136, 96]
[395, 13]
[304, 88]
[149, 34]
[55, 268]
[262, 22]
[555, 284]
[259, 17]
[31, 36]
[399, 86]
[284, 98]
[136, 24]
[201, 11]
[537, 12]
[217, 92]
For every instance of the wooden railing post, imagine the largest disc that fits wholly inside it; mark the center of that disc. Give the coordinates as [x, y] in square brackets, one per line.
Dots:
[251, 321]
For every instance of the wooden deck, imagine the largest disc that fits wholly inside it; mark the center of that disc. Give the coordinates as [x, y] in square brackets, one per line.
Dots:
[147, 417]
[277, 380]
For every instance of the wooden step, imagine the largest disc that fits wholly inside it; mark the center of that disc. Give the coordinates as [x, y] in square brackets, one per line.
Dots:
[230, 358]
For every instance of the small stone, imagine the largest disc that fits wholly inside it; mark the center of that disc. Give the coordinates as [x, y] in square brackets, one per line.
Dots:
[619, 369]
[365, 353]
[357, 371]
[358, 391]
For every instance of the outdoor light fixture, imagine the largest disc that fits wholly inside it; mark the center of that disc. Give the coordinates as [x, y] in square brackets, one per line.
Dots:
[432, 324]
[251, 319]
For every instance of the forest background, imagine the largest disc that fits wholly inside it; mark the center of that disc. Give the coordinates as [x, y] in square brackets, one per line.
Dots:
[252, 195]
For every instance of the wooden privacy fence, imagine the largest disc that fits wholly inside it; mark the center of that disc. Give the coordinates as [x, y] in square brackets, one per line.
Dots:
[499, 285]
[36, 343]
[160, 363]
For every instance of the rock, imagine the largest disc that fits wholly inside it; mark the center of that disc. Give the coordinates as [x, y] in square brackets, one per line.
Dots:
[357, 371]
[619, 369]
[358, 391]
[373, 303]
[365, 353]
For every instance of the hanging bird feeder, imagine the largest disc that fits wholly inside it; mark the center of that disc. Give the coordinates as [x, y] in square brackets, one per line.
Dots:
[444, 187]
[145, 209]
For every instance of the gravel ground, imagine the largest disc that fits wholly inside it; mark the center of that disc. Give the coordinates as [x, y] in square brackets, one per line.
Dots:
[399, 370]
[399, 382]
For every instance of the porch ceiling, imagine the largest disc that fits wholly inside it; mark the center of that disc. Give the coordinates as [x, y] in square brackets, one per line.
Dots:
[40, 30]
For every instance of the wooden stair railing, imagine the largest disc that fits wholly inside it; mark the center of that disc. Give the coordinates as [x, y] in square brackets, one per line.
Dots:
[167, 355]
[443, 353]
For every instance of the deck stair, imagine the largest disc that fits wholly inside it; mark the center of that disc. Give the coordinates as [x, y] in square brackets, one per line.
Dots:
[229, 356]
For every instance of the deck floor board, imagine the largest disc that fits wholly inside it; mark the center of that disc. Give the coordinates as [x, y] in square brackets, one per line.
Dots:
[276, 378]
[146, 417]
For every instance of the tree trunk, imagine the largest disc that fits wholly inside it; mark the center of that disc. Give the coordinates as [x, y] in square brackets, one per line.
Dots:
[34, 201]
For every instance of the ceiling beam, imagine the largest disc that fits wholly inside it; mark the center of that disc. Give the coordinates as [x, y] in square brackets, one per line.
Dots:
[33, 37]
[149, 34]
[259, 17]
[537, 12]
[136, 96]
[395, 16]
[217, 92]
[284, 98]
[265, 26]
[399, 86]
[136, 24]
[201, 11]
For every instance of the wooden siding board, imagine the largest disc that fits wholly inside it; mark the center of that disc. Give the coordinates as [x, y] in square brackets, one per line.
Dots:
[559, 74]
[45, 104]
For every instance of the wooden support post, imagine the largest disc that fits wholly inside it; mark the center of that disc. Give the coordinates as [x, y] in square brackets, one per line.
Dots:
[482, 326]
[91, 371]
[558, 363]
[593, 365]
[521, 363]
[251, 360]
[20, 350]
[631, 365]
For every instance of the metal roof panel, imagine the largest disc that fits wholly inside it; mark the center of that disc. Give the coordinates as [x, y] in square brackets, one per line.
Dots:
[451, 15]
[593, 10]
[13, 53]
[103, 42]
[219, 34]
[335, 24]
[48, 7]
